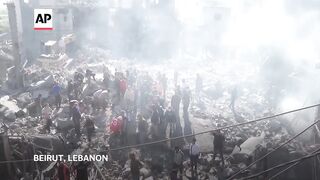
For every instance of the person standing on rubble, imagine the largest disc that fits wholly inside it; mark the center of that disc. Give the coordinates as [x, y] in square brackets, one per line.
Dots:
[89, 75]
[70, 90]
[89, 126]
[218, 145]
[76, 116]
[194, 156]
[47, 115]
[56, 92]
[38, 106]
[135, 166]
[170, 119]
[175, 103]
[178, 160]
[142, 128]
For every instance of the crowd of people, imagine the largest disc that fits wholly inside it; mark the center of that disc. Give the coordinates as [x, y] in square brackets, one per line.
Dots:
[139, 108]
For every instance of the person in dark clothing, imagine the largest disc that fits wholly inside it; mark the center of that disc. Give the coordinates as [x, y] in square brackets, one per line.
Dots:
[89, 75]
[175, 103]
[63, 171]
[186, 100]
[170, 118]
[76, 116]
[142, 128]
[155, 117]
[194, 153]
[56, 92]
[78, 81]
[89, 125]
[233, 98]
[218, 145]
[135, 166]
[82, 170]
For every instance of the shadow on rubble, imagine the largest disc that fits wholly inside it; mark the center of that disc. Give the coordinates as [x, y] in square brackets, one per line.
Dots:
[187, 126]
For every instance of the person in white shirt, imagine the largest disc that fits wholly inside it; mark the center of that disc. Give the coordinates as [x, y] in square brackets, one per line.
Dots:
[194, 155]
